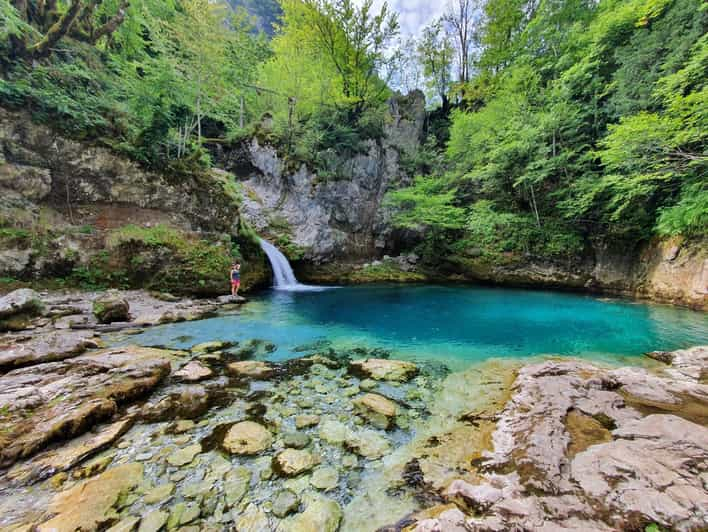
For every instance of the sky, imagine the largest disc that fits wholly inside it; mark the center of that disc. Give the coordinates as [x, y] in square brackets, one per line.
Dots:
[414, 14]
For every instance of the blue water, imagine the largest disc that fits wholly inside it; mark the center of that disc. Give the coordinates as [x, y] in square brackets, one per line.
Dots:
[456, 325]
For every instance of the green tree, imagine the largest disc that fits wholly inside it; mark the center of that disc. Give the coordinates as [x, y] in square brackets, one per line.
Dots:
[436, 54]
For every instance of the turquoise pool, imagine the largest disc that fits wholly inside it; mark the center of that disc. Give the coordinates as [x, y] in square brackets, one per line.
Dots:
[458, 325]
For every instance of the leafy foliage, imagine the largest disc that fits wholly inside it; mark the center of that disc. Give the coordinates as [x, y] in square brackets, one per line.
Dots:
[584, 120]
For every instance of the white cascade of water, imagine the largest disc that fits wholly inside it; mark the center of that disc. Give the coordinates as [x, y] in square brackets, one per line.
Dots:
[283, 275]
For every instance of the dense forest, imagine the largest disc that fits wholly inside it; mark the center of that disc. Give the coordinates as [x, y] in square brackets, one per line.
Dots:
[550, 123]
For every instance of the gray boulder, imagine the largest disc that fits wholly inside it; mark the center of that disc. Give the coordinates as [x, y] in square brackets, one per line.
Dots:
[111, 306]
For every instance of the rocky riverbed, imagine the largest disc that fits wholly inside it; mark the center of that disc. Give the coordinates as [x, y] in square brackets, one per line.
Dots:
[98, 434]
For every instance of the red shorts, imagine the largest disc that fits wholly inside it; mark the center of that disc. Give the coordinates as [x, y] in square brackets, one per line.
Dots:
[236, 283]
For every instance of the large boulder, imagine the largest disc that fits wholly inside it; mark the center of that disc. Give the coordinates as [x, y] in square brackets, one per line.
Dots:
[111, 306]
[17, 307]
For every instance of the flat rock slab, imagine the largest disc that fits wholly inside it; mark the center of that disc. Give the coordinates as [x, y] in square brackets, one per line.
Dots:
[45, 347]
[50, 402]
[384, 370]
[70, 454]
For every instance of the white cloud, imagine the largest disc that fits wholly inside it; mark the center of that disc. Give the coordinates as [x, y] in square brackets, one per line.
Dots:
[414, 14]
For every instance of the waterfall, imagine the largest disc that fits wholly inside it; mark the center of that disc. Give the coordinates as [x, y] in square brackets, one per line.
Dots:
[283, 276]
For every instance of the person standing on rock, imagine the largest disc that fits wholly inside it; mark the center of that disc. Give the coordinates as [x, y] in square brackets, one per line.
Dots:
[235, 278]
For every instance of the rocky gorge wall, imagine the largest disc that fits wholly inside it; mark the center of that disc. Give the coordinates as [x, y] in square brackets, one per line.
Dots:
[339, 217]
[64, 203]
[668, 271]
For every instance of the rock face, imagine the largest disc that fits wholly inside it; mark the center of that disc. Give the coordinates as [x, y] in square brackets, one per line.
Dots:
[71, 193]
[48, 402]
[670, 271]
[340, 216]
[574, 449]
[110, 307]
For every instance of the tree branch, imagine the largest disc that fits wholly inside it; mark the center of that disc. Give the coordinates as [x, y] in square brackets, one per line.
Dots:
[113, 23]
[58, 30]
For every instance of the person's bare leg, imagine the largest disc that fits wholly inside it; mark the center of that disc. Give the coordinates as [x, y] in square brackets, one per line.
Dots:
[234, 290]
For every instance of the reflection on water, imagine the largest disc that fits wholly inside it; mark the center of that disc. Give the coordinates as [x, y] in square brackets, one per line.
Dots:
[460, 325]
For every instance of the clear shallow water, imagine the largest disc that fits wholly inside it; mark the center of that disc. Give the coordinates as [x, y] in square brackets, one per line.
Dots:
[456, 325]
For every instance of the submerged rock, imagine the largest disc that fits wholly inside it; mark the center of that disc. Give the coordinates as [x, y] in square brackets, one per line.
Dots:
[159, 493]
[153, 521]
[320, 514]
[384, 370]
[378, 410]
[210, 347]
[306, 420]
[92, 504]
[111, 306]
[292, 462]
[246, 438]
[253, 519]
[251, 368]
[184, 456]
[236, 485]
[285, 503]
[368, 444]
[296, 440]
[333, 431]
[325, 478]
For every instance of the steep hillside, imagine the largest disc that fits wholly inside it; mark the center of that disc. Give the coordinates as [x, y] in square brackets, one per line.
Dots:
[74, 213]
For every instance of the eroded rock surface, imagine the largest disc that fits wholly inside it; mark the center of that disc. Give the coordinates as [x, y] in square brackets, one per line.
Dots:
[44, 403]
[580, 447]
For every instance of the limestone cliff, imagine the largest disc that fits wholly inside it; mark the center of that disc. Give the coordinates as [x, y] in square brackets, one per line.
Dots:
[337, 217]
[670, 271]
[61, 200]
